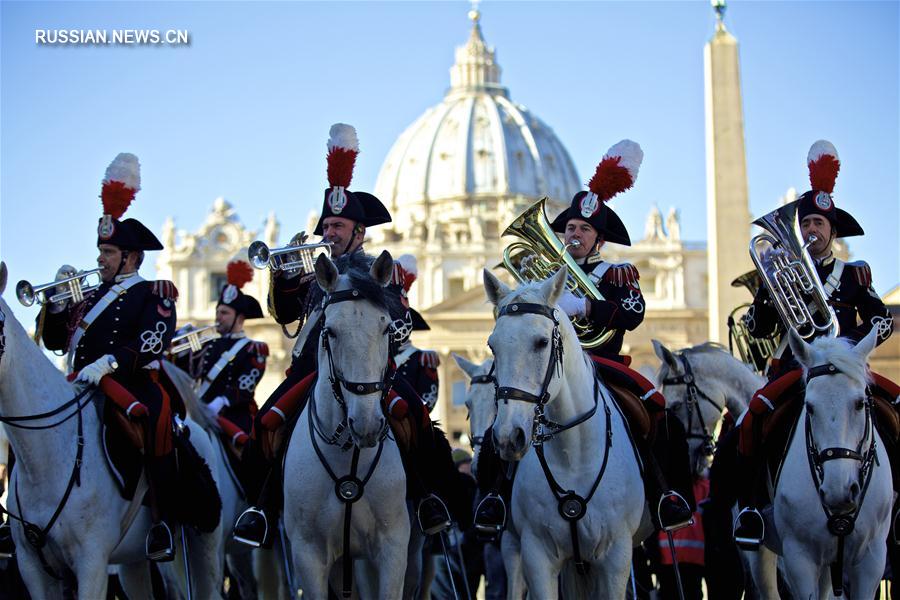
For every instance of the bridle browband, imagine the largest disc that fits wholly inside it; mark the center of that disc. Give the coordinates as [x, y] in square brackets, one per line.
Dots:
[841, 524]
[692, 400]
[571, 506]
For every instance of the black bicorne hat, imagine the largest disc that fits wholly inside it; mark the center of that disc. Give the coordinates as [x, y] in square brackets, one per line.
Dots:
[239, 273]
[361, 207]
[120, 184]
[824, 165]
[616, 173]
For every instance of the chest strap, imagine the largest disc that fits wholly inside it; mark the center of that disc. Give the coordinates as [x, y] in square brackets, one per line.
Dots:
[220, 365]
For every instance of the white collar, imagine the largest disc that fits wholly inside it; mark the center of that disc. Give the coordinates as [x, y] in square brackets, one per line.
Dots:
[122, 277]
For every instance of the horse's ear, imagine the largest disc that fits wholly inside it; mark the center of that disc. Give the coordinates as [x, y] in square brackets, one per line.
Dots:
[866, 345]
[326, 273]
[665, 355]
[469, 368]
[382, 268]
[495, 289]
[4, 274]
[553, 287]
[799, 347]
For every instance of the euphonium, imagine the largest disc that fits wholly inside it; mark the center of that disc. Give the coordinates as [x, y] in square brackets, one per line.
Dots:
[787, 270]
[756, 352]
[540, 254]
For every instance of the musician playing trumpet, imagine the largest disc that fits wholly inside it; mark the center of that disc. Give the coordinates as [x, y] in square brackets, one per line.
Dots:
[586, 226]
[856, 307]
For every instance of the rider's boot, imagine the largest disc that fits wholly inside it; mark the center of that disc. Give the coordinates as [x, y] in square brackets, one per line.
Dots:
[160, 544]
[7, 546]
[669, 509]
[749, 527]
[255, 526]
[495, 489]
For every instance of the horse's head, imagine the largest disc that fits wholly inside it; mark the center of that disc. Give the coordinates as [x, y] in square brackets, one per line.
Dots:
[480, 401]
[527, 346]
[355, 349]
[838, 415]
[696, 386]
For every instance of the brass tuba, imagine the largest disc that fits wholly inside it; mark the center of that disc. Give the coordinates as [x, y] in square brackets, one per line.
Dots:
[540, 254]
[787, 271]
[756, 352]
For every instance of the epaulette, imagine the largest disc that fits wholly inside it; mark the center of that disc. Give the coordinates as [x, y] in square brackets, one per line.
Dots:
[862, 272]
[429, 358]
[260, 348]
[165, 289]
[624, 274]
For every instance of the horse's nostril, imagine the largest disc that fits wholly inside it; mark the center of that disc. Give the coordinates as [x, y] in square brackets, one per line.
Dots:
[854, 491]
[519, 438]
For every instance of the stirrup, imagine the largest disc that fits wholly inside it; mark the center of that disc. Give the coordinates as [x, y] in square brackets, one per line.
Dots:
[680, 499]
[490, 531]
[7, 546]
[249, 513]
[163, 554]
[744, 541]
[437, 527]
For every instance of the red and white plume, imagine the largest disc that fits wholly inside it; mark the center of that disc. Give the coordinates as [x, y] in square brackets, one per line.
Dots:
[409, 270]
[121, 182]
[239, 273]
[617, 171]
[343, 147]
[824, 165]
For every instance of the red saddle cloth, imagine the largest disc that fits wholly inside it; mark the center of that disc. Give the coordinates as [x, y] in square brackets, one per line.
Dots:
[636, 395]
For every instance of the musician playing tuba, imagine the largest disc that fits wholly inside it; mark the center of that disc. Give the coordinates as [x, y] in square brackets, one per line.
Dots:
[587, 225]
[851, 298]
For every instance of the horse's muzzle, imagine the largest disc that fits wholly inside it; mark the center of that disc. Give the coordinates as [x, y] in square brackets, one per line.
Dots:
[513, 446]
[367, 439]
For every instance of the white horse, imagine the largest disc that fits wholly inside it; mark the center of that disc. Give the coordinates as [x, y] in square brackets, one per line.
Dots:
[480, 402]
[547, 388]
[341, 435]
[699, 383]
[836, 471]
[95, 526]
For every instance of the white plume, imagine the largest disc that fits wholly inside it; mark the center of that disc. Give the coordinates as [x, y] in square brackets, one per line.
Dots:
[125, 168]
[631, 155]
[409, 264]
[342, 135]
[821, 148]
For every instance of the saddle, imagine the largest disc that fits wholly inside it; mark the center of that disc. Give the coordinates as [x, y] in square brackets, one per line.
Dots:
[642, 404]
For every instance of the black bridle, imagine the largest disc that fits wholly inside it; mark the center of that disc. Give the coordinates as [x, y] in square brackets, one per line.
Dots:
[571, 506]
[841, 524]
[693, 396]
[484, 378]
[349, 488]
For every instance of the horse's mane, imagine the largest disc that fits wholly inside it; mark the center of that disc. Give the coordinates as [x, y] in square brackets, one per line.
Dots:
[839, 352]
[526, 292]
[192, 403]
[356, 266]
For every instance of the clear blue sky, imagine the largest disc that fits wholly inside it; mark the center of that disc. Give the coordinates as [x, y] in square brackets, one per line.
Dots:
[244, 110]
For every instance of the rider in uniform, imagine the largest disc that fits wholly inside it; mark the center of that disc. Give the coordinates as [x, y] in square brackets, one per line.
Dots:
[586, 226]
[233, 364]
[295, 296]
[120, 331]
[856, 305]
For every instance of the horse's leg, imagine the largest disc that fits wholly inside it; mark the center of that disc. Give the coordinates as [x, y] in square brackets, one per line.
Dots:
[38, 583]
[135, 580]
[271, 581]
[240, 565]
[511, 552]
[541, 576]
[311, 567]
[413, 585]
[207, 561]
[801, 573]
[609, 577]
[390, 560]
[90, 571]
[764, 572]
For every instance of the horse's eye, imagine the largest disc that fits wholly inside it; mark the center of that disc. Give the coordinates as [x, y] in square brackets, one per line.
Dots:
[809, 408]
[541, 343]
[860, 404]
[331, 333]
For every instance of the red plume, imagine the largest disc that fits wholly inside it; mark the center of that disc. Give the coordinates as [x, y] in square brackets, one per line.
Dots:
[116, 198]
[340, 166]
[610, 178]
[239, 273]
[823, 173]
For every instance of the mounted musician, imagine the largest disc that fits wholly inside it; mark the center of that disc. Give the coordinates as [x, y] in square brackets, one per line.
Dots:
[294, 295]
[840, 301]
[615, 304]
[233, 364]
[119, 331]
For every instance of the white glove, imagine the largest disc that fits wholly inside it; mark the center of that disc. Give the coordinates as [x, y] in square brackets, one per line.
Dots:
[572, 305]
[95, 371]
[63, 272]
[216, 405]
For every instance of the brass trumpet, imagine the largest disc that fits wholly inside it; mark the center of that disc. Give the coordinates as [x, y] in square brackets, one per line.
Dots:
[540, 254]
[790, 276]
[294, 256]
[75, 285]
[193, 340]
